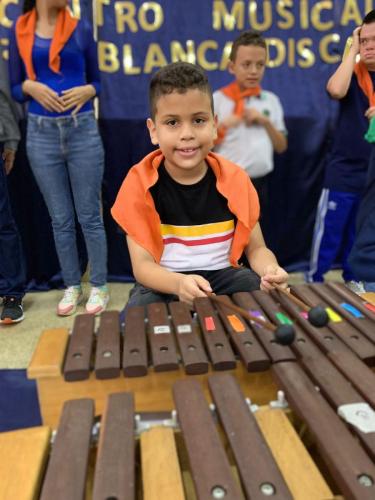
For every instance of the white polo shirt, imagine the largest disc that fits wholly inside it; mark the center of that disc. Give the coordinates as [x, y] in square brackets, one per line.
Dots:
[250, 146]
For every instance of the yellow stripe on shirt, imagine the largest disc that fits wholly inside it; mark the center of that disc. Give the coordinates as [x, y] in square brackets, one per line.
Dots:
[201, 230]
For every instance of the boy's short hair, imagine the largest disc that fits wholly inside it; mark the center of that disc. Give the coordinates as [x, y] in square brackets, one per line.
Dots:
[247, 38]
[178, 77]
[369, 17]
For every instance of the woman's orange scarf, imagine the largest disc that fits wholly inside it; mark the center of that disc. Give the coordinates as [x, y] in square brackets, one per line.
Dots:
[365, 82]
[234, 92]
[25, 33]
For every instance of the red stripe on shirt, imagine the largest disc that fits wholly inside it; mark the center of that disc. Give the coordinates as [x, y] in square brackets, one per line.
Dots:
[192, 243]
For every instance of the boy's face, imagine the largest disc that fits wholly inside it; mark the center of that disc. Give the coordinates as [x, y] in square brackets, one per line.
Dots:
[367, 45]
[185, 129]
[248, 66]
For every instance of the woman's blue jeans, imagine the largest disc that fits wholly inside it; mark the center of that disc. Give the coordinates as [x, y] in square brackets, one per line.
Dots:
[67, 159]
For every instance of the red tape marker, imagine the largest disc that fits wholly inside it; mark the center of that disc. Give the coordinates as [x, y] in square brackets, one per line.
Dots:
[209, 323]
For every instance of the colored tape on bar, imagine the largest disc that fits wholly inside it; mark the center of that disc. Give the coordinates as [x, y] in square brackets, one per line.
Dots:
[333, 316]
[209, 323]
[236, 323]
[352, 310]
[283, 319]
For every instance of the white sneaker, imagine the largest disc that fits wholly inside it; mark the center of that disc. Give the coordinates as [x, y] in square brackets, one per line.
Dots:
[68, 304]
[355, 286]
[98, 299]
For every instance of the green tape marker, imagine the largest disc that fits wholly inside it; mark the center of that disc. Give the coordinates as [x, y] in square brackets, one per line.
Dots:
[284, 320]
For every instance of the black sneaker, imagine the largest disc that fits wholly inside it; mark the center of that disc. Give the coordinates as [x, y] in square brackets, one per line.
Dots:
[12, 310]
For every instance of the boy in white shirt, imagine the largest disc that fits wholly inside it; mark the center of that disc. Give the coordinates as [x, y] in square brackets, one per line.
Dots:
[251, 120]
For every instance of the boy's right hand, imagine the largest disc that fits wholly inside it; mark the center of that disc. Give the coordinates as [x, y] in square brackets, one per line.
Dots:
[231, 121]
[355, 42]
[192, 286]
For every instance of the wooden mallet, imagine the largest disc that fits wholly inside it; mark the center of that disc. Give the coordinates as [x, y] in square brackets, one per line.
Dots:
[284, 334]
[316, 315]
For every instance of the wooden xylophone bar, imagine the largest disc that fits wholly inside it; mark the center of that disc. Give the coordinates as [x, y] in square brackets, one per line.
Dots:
[255, 440]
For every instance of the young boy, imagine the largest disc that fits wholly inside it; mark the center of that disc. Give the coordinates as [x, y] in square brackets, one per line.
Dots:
[190, 214]
[362, 256]
[251, 120]
[345, 173]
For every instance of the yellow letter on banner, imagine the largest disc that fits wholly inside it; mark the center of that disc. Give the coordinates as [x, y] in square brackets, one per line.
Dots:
[288, 17]
[323, 48]
[4, 20]
[99, 11]
[178, 53]
[225, 57]
[267, 15]
[125, 13]
[127, 60]
[108, 57]
[158, 16]
[76, 8]
[369, 5]
[221, 18]
[280, 52]
[307, 54]
[201, 55]
[350, 13]
[316, 18]
[154, 58]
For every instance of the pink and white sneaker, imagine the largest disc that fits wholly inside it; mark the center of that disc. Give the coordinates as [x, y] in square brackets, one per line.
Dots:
[98, 299]
[68, 304]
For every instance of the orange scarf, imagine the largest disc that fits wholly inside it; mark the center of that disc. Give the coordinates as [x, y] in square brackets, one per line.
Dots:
[365, 82]
[134, 208]
[25, 33]
[234, 92]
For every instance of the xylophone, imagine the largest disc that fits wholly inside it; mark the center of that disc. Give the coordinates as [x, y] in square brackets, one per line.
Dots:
[223, 451]
[162, 345]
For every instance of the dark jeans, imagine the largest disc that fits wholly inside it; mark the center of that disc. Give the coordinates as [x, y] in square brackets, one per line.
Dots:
[223, 282]
[12, 266]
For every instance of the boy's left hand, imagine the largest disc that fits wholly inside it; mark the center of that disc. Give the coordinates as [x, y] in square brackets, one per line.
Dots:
[370, 113]
[273, 274]
[254, 117]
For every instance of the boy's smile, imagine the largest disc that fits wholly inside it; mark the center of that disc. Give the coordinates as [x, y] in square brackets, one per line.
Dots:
[248, 66]
[185, 129]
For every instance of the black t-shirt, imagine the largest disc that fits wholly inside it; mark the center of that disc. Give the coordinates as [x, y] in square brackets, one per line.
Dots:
[189, 205]
[197, 226]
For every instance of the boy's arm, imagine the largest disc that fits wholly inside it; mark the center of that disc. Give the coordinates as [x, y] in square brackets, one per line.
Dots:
[264, 262]
[338, 84]
[278, 138]
[151, 275]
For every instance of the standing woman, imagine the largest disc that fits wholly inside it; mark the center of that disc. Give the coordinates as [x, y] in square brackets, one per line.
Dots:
[54, 66]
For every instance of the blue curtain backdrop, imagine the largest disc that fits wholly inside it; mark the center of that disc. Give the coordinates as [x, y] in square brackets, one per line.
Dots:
[306, 41]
